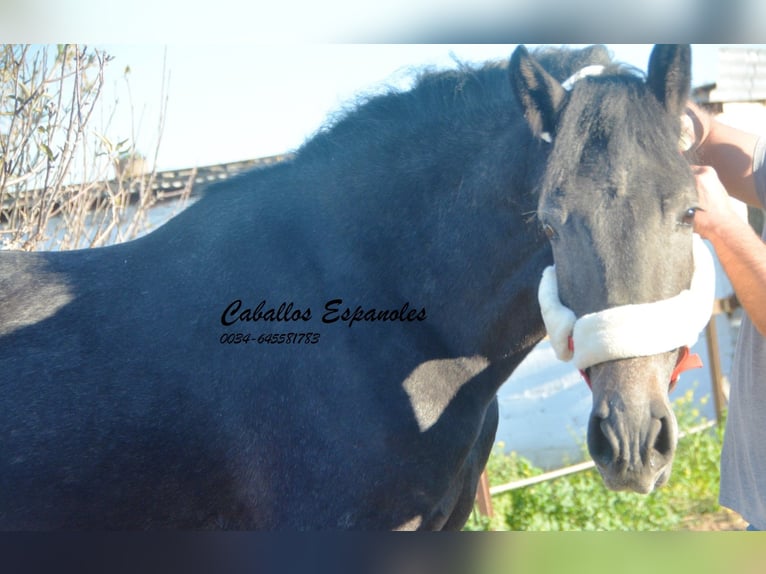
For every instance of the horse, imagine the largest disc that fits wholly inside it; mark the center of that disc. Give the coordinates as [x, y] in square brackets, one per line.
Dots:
[632, 286]
[318, 344]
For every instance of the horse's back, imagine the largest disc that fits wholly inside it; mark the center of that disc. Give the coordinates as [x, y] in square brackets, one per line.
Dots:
[125, 407]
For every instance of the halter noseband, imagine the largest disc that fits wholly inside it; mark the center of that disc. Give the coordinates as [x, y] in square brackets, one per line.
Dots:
[685, 362]
[632, 330]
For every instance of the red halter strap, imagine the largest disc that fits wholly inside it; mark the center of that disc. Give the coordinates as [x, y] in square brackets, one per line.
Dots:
[686, 361]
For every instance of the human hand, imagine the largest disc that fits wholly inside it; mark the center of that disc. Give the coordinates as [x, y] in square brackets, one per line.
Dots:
[714, 210]
[698, 123]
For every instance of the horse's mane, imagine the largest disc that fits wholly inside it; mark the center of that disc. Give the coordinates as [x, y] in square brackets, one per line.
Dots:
[465, 93]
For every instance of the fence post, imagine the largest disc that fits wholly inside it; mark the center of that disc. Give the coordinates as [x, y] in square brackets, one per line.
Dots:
[716, 376]
[483, 497]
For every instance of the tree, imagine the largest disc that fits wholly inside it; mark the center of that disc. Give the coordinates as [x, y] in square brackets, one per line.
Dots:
[56, 184]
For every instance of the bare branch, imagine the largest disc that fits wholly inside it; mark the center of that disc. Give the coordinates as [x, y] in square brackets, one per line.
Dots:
[55, 190]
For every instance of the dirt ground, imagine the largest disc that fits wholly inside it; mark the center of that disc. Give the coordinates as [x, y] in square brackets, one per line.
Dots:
[723, 520]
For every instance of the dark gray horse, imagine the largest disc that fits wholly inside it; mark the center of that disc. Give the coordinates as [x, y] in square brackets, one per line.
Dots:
[318, 344]
[617, 202]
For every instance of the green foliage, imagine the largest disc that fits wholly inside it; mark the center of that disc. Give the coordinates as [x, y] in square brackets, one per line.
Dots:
[581, 501]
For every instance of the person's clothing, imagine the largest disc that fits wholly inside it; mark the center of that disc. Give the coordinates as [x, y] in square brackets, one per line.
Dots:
[743, 460]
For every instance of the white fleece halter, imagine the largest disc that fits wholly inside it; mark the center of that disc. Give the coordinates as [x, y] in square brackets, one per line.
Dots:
[594, 70]
[630, 330]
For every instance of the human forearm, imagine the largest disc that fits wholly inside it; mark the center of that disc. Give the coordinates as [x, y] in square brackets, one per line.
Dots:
[728, 150]
[743, 257]
[727, 157]
[740, 251]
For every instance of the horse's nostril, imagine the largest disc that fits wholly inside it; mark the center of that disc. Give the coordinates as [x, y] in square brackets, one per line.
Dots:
[632, 451]
[663, 443]
[599, 443]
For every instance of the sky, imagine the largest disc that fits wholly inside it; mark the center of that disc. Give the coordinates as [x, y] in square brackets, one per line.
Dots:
[232, 102]
[308, 21]
[250, 78]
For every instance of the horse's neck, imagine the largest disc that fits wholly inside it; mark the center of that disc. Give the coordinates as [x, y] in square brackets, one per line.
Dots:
[451, 238]
[448, 230]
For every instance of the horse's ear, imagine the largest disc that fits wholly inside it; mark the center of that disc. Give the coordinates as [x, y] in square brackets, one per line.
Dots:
[669, 75]
[596, 54]
[541, 96]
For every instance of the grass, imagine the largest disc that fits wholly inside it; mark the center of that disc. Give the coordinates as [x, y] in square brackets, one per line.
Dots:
[582, 502]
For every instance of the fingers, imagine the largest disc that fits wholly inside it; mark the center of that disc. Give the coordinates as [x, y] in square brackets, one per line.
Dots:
[709, 187]
[698, 170]
[714, 208]
[700, 122]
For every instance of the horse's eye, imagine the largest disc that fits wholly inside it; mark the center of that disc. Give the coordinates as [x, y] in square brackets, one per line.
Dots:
[688, 216]
[550, 233]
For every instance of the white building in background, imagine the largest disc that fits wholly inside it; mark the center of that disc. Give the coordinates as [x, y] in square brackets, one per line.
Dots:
[740, 91]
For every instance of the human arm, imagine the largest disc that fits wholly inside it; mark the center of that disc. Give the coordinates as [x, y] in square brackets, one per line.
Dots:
[740, 251]
[729, 150]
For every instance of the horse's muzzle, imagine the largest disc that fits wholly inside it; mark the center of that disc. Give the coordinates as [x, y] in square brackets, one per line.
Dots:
[632, 432]
[627, 464]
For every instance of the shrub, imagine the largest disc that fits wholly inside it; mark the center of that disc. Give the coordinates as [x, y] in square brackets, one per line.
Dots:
[63, 183]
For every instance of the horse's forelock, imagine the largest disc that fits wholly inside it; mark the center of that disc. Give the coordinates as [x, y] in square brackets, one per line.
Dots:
[561, 63]
[616, 117]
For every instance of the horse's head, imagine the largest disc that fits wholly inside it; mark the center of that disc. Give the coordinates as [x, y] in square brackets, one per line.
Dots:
[617, 202]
